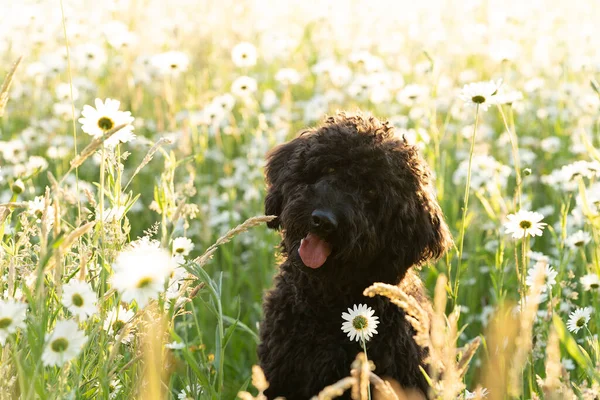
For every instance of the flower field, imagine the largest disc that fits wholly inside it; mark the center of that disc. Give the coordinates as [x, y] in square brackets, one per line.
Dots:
[134, 254]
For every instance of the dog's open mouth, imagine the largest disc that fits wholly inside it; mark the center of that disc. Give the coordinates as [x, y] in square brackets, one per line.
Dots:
[314, 251]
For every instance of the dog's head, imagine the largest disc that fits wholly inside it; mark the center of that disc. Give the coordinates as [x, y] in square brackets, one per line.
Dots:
[354, 201]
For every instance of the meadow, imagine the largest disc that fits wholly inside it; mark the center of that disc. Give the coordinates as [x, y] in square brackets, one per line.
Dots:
[134, 252]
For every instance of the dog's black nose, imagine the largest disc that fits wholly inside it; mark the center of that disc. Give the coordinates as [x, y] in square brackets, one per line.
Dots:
[323, 221]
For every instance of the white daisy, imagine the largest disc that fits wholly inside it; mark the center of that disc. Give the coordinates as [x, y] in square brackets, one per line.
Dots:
[579, 318]
[114, 388]
[287, 76]
[111, 214]
[141, 272]
[118, 35]
[63, 111]
[524, 223]
[106, 116]
[244, 54]
[243, 86]
[36, 209]
[63, 344]
[225, 101]
[412, 94]
[89, 56]
[568, 364]
[538, 256]
[12, 317]
[360, 322]
[480, 393]
[116, 320]
[182, 246]
[177, 277]
[170, 63]
[212, 115]
[527, 299]
[480, 94]
[63, 92]
[508, 97]
[175, 345]
[578, 239]
[590, 282]
[545, 269]
[190, 392]
[79, 298]
[14, 151]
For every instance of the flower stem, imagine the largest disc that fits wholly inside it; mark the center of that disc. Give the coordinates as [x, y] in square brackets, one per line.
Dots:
[69, 73]
[515, 151]
[103, 271]
[364, 346]
[464, 214]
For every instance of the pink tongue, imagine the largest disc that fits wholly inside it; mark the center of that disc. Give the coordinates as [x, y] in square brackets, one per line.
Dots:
[314, 251]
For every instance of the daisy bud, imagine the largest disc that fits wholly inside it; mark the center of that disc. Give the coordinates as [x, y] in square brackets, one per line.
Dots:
[18, 187]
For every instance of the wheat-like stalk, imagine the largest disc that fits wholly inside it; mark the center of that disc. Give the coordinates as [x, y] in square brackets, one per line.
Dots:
[361, 372]
[91, 148]
[416, 315]
[243, 227]
[259, 381]
[500, 343]
[523, 342]
[552, 386]
[66, 244]
[335, 390]
[6, 85]
[436, 333]
[162, 141]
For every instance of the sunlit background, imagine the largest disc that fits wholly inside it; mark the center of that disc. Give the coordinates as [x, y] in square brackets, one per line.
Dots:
[213, 85]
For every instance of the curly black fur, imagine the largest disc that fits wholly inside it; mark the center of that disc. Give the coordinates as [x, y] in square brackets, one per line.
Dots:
[379, 189]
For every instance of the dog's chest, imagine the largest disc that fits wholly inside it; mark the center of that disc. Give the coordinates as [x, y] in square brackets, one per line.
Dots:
[303, 348]
[312, 330]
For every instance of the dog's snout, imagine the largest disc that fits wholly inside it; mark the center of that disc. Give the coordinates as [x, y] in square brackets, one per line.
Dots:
[324, 221]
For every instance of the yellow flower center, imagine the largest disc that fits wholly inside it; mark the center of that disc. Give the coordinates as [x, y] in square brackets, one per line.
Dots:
[59, 345]
[525, 224]
[77, 300]
[5, 322]
[580, 322]
[118, 325]
[359, 322]
[478, 99]
[144, 282]
[105, 123]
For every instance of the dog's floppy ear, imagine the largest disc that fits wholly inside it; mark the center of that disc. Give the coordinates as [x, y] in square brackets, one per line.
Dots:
[420, 231]
[432, 236]
[277, 171]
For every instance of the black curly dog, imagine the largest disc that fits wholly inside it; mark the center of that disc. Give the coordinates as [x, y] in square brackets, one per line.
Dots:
[356, 206]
